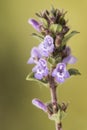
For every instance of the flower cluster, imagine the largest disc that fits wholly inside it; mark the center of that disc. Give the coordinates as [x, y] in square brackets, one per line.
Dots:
[40, 55]
[50, 47]
[51, 58]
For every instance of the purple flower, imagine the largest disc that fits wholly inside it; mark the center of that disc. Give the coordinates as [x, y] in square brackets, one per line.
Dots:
[35, 24]
[67, 50]
[60, 73]
[47, 46]
[35, 55]
[40, 69]
[39, 104]
[69, 58]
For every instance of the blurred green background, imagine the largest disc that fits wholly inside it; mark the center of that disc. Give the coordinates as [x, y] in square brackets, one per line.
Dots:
[16, 110]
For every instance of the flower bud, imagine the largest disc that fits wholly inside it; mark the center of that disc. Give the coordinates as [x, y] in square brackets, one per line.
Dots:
[39, 104]
[58, 41]
[35, 24]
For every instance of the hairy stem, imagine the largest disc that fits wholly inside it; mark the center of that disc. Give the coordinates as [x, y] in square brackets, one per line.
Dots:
[58, 126]
[54, 100]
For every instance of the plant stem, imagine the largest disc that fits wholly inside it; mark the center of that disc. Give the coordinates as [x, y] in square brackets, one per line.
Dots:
[58, 126]
[54, 100]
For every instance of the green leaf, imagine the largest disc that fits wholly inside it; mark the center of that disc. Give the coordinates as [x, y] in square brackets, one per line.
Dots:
[30, 77]
[73, 71]
[58, 116]
[55, 28]
[58, 59]
[66, 38]
[37, 36]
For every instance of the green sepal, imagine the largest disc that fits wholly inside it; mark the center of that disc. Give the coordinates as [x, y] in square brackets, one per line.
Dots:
[51, 60]
[67, 37]
[61, 19]
[30, 77]
[53, 10]
[58, 116]
[44, 21]
[74, 71]
[58, 59]
[37, 36]
[55, 28]
[54, 61]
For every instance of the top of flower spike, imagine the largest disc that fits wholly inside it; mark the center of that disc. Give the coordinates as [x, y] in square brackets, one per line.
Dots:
[53, 16]
[52, 22]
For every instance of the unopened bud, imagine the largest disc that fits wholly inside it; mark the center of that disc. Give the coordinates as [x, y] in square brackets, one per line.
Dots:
[58, 41]
[39, 104]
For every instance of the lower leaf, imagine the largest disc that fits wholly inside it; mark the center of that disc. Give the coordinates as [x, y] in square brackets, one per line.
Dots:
[31, 77]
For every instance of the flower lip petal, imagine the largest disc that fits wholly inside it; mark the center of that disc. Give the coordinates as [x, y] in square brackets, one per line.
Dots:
[67, 75]
[35, 69]
[70, 60]
[35, 52]
[60, 79]
[30, 61]
[61, 67]
[35, 55]
[38, 76]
